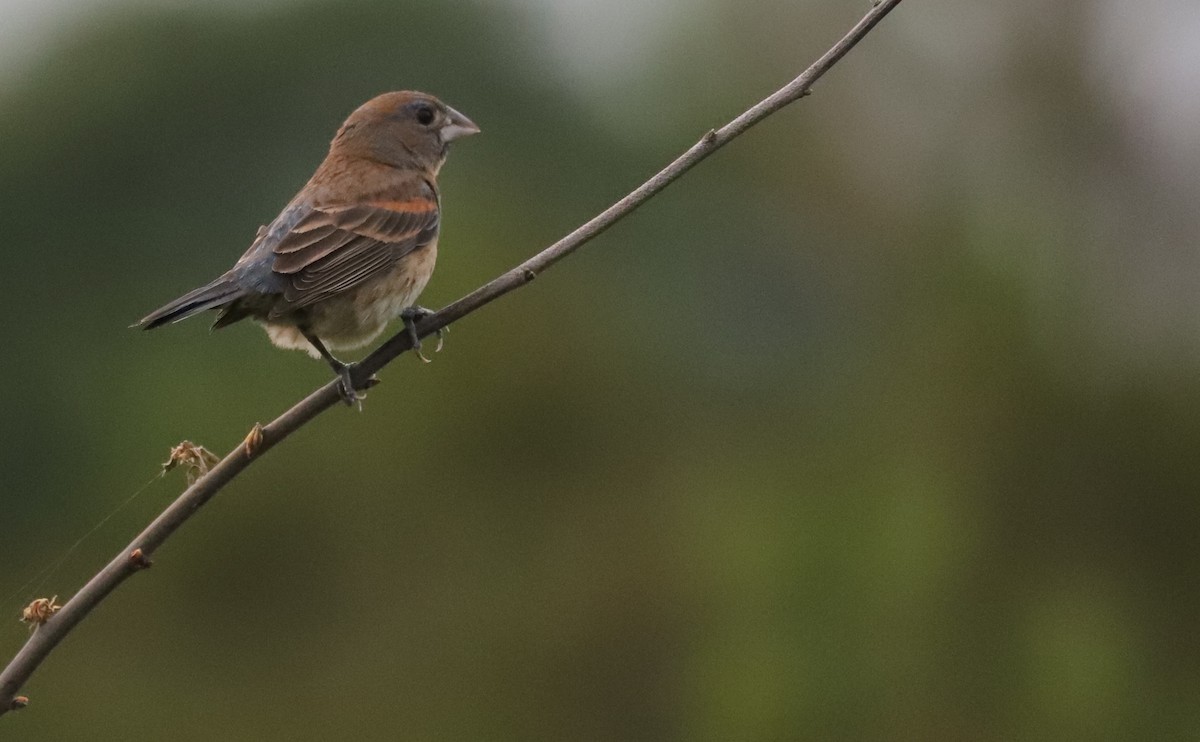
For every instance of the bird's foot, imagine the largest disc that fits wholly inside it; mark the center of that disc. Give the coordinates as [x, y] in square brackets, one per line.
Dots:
[346, 385]
[415, 314]
[346, 390]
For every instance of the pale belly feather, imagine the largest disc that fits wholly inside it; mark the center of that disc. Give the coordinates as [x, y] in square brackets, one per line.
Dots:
[357, 317]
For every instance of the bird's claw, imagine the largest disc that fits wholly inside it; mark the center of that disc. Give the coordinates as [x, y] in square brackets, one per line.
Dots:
[411, 316]
[346, 390]
[344, 371]
[346, 386]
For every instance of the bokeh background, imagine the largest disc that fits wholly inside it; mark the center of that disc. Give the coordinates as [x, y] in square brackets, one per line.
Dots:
[884, 423]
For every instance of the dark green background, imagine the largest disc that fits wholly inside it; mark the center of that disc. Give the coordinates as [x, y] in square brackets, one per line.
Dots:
[881, 424]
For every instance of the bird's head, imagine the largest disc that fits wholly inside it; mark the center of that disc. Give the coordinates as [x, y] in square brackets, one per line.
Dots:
[403, 129]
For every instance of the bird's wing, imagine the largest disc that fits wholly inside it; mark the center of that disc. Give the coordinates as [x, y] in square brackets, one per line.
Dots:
[331, 249]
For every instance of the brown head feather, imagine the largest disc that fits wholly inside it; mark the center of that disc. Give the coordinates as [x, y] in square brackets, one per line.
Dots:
[401, 129]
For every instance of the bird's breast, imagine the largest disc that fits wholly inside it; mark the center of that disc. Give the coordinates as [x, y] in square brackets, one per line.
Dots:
[382, 299]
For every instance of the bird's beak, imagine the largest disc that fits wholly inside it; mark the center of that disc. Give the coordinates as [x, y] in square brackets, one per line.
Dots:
[457, 126]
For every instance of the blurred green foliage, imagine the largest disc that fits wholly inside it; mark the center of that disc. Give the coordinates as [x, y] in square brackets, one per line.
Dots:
[836, 439]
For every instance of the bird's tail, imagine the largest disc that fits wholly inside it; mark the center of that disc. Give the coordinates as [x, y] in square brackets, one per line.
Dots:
[220, 292]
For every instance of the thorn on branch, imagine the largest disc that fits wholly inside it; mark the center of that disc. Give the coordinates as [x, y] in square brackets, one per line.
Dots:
[253, 440]
[39, 611]
[139, 560]
[709, 137]
[18, 703]
[196, 459]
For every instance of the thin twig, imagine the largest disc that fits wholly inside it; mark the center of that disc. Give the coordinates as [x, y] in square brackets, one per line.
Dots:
[136, 556]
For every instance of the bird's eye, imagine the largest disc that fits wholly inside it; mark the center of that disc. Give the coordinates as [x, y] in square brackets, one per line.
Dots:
[425, 115]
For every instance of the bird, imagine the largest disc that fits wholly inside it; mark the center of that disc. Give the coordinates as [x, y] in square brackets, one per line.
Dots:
[354, 248]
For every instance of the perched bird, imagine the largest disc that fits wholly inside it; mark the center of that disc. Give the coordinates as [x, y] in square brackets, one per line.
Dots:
[354, 248]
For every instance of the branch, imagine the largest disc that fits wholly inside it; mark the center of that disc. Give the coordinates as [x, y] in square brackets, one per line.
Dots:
[261, 439]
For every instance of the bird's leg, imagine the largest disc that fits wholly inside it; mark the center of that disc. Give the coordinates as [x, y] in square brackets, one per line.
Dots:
[415, 314]
[343, 370]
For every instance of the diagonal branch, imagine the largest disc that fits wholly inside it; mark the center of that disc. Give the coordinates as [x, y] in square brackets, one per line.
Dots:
[135, 556]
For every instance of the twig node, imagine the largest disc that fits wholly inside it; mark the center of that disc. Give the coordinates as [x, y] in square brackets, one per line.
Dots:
[39, 611]
[139, 560]
[195, 458]
[253, 440]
